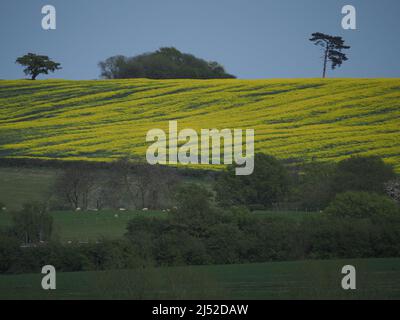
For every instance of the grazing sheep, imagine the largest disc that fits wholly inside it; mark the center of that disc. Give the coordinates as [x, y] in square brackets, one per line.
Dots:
[78, 209]
[122, 209]
[145, 209]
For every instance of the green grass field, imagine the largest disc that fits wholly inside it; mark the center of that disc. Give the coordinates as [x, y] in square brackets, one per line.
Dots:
[294, 118]
[376, 279]
[88, 226]
[91, 226]
[22, 185]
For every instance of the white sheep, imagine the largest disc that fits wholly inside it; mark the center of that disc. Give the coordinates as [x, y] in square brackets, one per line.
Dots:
[145, 209]
[122, 209]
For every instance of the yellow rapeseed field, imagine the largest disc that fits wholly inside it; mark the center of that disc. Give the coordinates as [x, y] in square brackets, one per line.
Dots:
[293, 118]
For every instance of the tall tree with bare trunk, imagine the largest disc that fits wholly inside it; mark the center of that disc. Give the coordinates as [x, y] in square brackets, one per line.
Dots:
[332, 47]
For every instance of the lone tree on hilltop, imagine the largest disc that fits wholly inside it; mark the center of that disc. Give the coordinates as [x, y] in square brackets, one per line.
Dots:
[332, 47]
[36, 64]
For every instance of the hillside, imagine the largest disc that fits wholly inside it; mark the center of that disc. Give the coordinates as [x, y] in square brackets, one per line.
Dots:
[294, 118]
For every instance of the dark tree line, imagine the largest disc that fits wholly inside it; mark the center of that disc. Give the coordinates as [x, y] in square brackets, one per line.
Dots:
[170, 63]
[119, 185]
[310, 186]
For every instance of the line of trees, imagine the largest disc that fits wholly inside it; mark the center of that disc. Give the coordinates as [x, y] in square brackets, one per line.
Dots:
[274, 184]
[309, 187]
[170, 63]
[120, 185]
[197, 232]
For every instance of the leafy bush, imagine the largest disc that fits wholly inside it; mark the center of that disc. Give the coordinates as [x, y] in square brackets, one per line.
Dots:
[9, 251]
[330, 238]
[267, 185]
[236, 235]
[312, 189]
[178, 247]
[225, 243]
[363, 205]
[392, 189]
[195, 211]
[237, 239]
[362, 174]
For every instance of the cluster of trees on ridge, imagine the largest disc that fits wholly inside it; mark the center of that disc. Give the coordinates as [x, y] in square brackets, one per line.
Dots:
[170, 63]
[165, 63]
[357, 199]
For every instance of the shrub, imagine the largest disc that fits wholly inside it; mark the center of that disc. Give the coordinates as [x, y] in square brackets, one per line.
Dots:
[178, 247]
[392, 189]
[195, 210]
[313, 188]
[278, 239]
[111, 254]
[225, 243]
[268, 184]
[330, 238]
[256, 207]
[363, 205]
[362, 174]
[9, 251]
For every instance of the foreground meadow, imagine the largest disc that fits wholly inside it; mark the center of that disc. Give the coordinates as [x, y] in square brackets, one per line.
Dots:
[376, 279]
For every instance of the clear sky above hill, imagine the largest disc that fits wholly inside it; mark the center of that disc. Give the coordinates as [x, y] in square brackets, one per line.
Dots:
[251, 38]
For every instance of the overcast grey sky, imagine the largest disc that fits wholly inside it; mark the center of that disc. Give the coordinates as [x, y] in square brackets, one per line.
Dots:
[251, 38]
